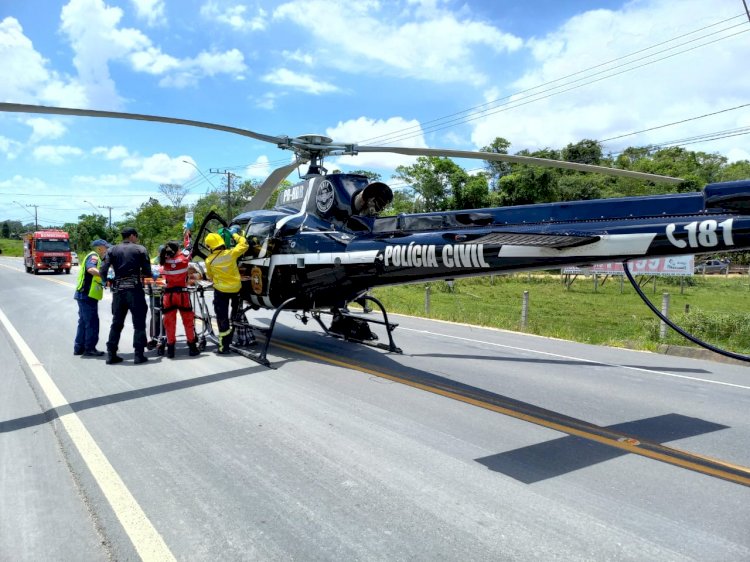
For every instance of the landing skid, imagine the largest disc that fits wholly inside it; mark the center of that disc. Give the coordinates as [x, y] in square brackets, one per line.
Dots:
[350, 326]
[240, 323]
[260, 356]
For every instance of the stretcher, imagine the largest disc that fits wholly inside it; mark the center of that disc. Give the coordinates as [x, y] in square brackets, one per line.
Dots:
[157, 331]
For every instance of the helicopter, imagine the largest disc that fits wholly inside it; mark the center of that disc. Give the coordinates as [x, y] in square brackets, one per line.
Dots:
[325, 245]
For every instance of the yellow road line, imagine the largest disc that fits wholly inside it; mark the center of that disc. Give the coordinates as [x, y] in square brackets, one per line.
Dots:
[145, 538]
[699, 463]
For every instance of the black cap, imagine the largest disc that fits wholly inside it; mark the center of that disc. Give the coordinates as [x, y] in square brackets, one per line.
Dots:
[128, 232]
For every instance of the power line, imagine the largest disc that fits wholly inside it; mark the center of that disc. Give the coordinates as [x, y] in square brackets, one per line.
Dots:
[675, 123]
[540, 97]
[492, 106]
[229, 189]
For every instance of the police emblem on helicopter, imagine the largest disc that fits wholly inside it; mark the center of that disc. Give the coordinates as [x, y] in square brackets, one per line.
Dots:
[324, 197]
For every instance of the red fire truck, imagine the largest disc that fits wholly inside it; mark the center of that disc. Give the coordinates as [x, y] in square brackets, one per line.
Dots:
[46, 250]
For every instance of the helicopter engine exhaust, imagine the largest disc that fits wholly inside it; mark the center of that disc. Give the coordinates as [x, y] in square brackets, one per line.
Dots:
[375, 197]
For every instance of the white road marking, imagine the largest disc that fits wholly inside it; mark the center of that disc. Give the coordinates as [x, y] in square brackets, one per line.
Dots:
[145, 538]
[652, 371]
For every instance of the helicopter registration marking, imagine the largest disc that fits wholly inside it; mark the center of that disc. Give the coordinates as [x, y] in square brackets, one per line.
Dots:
[426, 255]
[702, 234]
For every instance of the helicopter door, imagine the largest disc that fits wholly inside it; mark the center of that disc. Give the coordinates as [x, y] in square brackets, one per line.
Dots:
[211, 223]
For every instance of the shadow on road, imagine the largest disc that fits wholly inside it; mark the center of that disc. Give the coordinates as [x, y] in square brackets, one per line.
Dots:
[560, 456]
[54, 413]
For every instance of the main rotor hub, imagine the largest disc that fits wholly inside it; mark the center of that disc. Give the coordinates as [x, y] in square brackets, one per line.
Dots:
[315, 139]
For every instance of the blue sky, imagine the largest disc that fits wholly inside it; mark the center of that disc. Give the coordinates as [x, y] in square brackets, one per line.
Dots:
[429, 73]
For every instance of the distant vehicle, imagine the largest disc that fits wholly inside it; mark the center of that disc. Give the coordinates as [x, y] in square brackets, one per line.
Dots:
[46, 250]
[73, 258]
[713, 266]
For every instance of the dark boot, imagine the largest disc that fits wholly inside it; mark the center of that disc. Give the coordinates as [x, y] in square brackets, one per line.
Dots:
[113, 358]
[170, 350]
[193, 347]
[225, 341]
[139, 357]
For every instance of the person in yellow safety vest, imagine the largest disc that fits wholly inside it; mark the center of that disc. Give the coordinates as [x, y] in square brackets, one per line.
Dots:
[222, 269]
[89, 291]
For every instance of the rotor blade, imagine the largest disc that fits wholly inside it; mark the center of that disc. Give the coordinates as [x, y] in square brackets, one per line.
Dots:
[529, 160]
[23, 108]
[265, 191]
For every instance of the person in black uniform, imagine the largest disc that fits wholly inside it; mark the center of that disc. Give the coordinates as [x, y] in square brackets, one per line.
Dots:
[130, 261]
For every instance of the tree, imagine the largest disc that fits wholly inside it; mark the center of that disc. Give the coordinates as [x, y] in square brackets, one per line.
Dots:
[372, 176]
[86, 230]
[579, 187]
[735, 171]
[6, 230]
[156, 224]
[586, 151]
[434, 180]
[497, 169]
[403, 202]
[529, 185]
[473, 192]
[174, 192]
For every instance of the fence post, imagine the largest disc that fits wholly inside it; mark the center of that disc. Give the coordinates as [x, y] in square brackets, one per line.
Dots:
[596, 283]
[524, 309]
[665, 312]
[427, 299]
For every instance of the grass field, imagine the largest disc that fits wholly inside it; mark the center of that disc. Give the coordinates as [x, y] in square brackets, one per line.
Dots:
[11, 247]
[714, 307]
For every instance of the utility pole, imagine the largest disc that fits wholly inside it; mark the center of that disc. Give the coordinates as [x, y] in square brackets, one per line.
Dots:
[102, 207]
[36, 215]
[110, 214]
[229, 189]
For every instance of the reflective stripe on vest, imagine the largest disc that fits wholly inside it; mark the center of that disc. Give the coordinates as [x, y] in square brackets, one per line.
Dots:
[96, 289]
[174, 271]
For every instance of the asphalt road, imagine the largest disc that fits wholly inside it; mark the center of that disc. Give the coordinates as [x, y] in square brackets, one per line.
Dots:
[474, 444]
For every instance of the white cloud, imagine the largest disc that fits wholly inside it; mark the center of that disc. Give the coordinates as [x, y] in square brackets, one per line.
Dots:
[117, 152]
[735, 154]
[680, 87]
[55, 154]
[150, 10]
[423, 41]
[235, 16]
[376, 132]
[10, 148]
[98, 39]
[27, 75]
[303, 82]
[298, 56]
[92, 29]
[267, 100]
[103, 180]
[23, 183]
[153, 61]
[45, 129]
[160, 168]
[259, 169]
[191, 70]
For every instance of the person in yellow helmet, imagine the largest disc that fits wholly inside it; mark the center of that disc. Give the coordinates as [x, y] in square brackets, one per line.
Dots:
[222, 269]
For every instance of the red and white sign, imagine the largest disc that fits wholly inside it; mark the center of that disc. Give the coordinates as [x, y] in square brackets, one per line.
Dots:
[671, 265]
[61, 234]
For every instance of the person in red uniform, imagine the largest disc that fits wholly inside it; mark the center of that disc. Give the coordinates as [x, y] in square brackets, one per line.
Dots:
[174, 271]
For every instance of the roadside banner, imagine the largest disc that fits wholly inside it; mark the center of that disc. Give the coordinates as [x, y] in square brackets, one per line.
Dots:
[666, 266]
